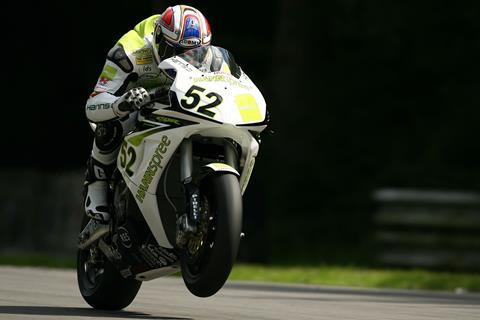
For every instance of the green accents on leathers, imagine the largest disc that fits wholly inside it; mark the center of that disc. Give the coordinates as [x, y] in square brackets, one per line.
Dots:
[134, 39]
[131, 41]
[146, 26]
[108, 72]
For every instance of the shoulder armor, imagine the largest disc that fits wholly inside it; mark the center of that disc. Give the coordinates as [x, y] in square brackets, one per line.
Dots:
[118, 56]
[146, 27]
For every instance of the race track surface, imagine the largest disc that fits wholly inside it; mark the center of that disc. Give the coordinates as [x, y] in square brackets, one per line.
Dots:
[39, 293]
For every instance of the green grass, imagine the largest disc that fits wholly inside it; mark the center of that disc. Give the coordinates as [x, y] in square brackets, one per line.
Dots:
[359, 277]
[322, 275]
[41, 260]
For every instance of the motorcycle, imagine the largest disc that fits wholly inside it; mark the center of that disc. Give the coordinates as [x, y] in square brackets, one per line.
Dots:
[178, 185]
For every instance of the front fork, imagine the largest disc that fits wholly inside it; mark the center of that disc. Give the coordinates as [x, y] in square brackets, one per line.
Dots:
[186, 158]
[188, 223]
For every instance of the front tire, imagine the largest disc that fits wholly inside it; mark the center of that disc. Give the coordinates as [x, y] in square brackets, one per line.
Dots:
[100, 284]
[208, 273]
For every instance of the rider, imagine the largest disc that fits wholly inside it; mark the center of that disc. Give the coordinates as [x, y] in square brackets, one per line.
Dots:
[131, 68]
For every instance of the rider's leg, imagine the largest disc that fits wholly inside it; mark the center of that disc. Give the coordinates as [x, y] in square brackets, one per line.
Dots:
[100, 166]
[108, 138]
[96, 186]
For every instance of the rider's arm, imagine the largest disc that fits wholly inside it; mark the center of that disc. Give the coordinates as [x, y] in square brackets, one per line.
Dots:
[110, 99]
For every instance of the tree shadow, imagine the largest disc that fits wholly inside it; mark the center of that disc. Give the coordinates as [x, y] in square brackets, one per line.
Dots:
[82, 312]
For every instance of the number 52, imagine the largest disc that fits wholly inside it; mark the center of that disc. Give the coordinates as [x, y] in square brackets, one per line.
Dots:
[127, 154]
[192, 99]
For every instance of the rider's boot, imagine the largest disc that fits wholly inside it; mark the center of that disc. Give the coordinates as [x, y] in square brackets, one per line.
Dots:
[96, 190]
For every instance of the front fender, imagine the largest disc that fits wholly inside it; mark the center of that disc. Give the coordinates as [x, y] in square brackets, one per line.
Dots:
[220, 167]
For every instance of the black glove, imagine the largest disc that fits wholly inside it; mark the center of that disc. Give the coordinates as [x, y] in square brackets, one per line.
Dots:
[131, 100]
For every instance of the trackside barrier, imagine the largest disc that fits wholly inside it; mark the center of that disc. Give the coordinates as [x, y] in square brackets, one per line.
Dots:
[427, 228]
[40, 211]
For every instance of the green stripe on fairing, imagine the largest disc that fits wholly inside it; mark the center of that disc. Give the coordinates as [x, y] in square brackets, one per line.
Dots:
[137, 140]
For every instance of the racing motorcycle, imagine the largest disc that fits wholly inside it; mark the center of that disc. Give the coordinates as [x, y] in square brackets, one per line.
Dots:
[178, 185]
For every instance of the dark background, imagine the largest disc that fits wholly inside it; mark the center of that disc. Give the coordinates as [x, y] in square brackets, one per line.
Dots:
[363, 95]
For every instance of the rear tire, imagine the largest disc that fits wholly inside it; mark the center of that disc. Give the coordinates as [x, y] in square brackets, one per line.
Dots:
[208, 274]
[101, 285]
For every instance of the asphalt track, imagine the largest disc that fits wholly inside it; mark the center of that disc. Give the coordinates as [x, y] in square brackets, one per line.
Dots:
[39, 293]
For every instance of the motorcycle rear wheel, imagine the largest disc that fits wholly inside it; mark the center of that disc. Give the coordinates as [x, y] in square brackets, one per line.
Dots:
[101, 286]
[205, 276]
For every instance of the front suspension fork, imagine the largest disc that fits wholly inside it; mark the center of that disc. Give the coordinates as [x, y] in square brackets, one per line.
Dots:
[186, 159]
[188, 223]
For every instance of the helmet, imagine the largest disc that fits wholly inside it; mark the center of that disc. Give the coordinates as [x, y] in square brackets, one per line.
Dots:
[179, 29]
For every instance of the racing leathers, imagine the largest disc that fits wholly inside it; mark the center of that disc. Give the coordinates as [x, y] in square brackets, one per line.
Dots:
[130, 70]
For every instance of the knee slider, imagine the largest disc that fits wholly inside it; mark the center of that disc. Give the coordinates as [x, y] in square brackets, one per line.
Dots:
[108, 136]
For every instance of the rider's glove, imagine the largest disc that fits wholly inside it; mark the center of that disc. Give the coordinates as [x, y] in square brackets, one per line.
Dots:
[130, 101]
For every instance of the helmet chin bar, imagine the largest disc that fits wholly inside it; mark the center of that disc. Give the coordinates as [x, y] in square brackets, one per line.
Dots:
[161, 48]
[166, 50]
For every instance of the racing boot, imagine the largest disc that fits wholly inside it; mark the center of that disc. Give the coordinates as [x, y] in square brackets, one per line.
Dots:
[96, 190]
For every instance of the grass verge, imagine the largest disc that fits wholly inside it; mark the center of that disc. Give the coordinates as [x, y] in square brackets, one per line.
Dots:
[322, 275]
[40, 260]
[359, 277]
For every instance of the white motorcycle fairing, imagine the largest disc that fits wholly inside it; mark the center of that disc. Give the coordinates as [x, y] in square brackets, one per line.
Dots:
[204, 103]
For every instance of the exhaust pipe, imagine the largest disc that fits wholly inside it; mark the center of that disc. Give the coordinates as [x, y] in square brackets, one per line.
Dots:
[93, 231]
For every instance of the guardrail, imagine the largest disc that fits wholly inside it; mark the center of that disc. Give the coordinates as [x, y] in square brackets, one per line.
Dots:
[427, 228]
[40, 211]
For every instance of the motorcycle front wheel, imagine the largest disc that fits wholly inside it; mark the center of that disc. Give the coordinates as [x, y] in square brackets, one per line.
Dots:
[100, 284]
[207, 273]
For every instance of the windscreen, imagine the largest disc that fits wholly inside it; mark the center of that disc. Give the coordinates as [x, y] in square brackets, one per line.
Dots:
[212, 59]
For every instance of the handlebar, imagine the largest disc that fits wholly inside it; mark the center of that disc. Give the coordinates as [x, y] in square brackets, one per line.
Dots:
[159, 95]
